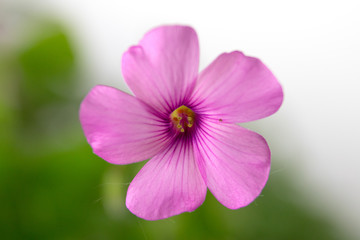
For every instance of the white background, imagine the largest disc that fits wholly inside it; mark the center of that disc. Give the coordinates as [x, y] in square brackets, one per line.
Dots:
[313, 47]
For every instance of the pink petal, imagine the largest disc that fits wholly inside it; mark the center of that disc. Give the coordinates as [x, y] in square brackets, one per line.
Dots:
[162, 69]
[237, 88]
[167, 185]
[234, 161]
[119, 127]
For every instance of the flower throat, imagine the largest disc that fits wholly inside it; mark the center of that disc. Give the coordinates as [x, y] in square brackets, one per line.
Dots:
[182, 118]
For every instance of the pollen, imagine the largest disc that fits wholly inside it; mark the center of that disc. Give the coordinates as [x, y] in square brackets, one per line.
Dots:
[182, 118]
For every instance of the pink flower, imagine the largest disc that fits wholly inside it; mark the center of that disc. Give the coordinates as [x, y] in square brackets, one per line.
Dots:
[185, 122]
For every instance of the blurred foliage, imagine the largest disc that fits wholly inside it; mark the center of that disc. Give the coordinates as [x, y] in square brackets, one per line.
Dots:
[46, 74]
[53, 187]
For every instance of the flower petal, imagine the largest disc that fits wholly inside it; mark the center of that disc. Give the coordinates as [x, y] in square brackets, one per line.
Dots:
[120, 128]
[167, 185]
[162, 69]
[235, 162]
[236, 88]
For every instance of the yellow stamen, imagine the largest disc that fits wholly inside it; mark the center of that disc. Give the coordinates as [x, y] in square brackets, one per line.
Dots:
[182, 118]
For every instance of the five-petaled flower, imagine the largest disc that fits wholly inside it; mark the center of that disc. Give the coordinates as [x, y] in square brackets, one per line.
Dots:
[184, 121]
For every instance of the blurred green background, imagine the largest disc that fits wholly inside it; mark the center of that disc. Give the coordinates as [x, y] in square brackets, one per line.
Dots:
[53, 187]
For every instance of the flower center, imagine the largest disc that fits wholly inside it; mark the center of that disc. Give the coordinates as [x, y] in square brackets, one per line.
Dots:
[182, 118]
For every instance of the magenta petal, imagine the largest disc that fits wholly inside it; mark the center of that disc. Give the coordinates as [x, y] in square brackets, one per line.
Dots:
[167, 185]
[234, 161]
[237, 88]
[162, 69]
[119, 127]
